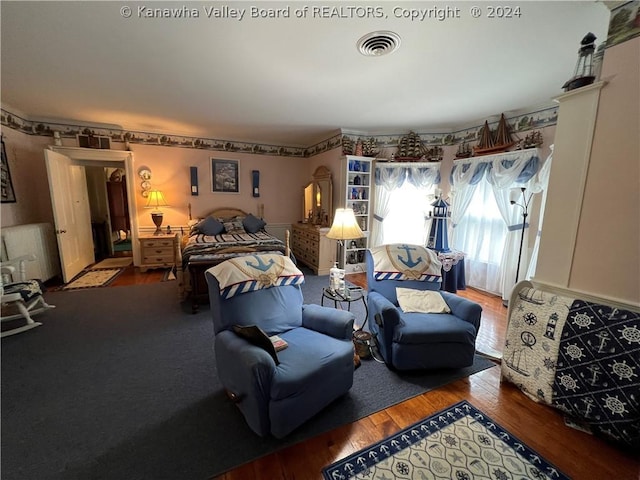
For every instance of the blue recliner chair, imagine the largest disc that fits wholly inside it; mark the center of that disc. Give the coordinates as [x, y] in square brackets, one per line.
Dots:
[313, 370]
[410, 341]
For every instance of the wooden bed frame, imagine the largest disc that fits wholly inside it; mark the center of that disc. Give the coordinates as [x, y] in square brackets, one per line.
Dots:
[193, 283]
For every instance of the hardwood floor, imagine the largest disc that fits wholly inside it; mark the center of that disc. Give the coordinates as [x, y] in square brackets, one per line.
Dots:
[578, 455]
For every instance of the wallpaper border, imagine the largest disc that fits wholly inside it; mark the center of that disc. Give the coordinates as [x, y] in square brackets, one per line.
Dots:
[521, 123]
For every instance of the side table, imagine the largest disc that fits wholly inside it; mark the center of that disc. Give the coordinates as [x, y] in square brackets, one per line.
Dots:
[355, 294]
[453, 274]
[158, 251]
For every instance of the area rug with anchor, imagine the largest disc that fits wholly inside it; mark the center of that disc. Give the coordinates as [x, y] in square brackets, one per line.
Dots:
[458, 442]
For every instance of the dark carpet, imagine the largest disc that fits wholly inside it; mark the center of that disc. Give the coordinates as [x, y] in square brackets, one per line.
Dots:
[120, 383]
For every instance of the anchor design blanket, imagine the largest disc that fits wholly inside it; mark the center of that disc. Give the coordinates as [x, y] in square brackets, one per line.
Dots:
[580, 357]
[255, 272]
[406, 262]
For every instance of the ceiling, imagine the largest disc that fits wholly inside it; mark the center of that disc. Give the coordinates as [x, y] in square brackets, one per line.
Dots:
[285, 81]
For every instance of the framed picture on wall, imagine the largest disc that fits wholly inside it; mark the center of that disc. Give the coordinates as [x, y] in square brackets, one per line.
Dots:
[6, 186]
[225, 176]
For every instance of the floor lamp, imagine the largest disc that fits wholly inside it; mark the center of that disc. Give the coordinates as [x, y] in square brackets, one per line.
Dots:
[344, 227]
[526, 201]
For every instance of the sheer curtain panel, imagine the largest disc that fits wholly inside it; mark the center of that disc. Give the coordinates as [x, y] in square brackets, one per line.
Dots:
[392, 177]
[500, 173]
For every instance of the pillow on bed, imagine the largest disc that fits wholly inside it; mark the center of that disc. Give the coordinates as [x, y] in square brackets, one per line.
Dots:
[234, 225]
[210, 226]
[253, 224]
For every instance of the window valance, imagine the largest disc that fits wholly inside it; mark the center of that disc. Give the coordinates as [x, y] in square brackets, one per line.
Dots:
[420, 174]
[501, 170]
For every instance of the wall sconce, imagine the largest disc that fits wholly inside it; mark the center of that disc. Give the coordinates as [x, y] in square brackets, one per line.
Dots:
[194, 180]
[156, 201]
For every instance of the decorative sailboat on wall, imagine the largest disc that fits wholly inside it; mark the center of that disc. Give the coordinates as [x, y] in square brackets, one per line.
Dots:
[464, 150]
[494, 142]
[410, 148]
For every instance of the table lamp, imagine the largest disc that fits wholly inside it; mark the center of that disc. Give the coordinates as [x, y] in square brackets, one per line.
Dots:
[344, 227]
[156, 200]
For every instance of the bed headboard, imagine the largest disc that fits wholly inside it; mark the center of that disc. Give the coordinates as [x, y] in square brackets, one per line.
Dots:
[226, 212]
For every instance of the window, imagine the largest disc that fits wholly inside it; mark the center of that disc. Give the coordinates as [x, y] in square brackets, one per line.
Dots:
[407, 208]
[481, 235]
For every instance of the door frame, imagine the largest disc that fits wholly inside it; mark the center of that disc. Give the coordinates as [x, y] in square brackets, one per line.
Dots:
[110, 158]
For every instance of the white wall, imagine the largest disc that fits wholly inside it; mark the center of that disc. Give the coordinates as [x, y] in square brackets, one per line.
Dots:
[591, 234]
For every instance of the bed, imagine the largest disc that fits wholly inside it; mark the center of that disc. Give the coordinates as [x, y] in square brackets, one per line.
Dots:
[206, 246]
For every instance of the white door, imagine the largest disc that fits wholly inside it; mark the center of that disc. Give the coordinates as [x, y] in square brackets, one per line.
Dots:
[71, 214]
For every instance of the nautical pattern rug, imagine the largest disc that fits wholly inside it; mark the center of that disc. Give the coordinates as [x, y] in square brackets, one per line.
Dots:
[459, 442]
[93, 278]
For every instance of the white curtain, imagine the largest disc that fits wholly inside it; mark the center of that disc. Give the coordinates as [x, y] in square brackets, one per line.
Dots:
[390, 177]
[424, 179]
[480, 235]
[512, 216]
[502, 172]
[540, 185]
[387, 179]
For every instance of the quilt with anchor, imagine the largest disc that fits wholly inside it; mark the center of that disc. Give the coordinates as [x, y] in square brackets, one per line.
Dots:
[580, 357]
[255, 272]
[406, 262]
[459, 442]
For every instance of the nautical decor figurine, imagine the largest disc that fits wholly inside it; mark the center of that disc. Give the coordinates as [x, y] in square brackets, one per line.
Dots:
[438, 235]
[584, 74]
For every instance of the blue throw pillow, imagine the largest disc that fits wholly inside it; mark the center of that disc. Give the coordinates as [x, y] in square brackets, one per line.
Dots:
[253, 224]
[210, 226]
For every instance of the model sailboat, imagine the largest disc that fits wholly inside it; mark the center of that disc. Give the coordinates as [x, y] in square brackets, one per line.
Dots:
[494, 142]
[410, 148]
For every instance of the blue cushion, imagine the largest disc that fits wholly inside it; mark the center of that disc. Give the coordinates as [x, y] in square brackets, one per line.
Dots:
[310, 358]
[424, 328]
[253, 224]
[276, 310]
[210, 226]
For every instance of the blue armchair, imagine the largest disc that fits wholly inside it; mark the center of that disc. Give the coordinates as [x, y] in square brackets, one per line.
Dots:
[313, 370]
[410, 341]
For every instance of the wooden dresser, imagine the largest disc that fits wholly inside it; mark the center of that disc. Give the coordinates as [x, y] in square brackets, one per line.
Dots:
[311, 246]
[157, 251]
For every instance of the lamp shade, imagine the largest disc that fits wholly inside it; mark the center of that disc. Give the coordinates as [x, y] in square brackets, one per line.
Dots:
[156, 200]
[344, 225]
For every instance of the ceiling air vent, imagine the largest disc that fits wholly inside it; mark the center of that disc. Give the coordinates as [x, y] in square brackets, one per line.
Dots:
[375, 44]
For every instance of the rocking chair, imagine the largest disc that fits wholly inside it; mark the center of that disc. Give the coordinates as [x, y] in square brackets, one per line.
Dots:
[21, 298]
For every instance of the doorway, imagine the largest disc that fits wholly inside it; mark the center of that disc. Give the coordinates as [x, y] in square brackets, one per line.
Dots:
[109, 208]
[73, 227]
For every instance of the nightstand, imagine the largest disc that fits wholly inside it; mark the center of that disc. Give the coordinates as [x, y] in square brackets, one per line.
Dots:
[158, 251]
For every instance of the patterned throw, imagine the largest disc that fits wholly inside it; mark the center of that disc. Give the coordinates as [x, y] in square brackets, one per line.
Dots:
[459, 442]
[406, 262]
[580, 357]
[255, 272]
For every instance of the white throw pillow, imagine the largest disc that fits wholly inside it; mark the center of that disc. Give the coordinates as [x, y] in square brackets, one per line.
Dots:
[421, 301]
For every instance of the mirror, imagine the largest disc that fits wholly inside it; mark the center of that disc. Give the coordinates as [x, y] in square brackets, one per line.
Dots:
[318, 198]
